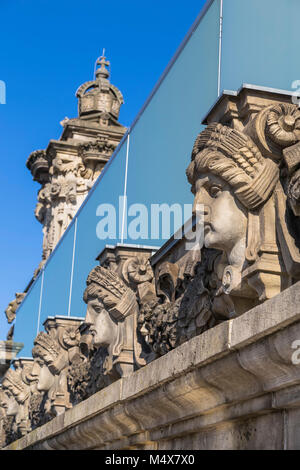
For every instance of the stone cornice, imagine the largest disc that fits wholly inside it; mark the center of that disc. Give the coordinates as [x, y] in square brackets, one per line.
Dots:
[236, 106]
[91, 129]
[8, 351]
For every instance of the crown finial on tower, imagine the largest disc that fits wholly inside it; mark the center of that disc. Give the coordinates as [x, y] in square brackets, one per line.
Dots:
[100, 95]
[102, 72]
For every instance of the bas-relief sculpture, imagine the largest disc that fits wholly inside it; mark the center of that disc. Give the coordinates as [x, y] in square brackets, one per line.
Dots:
[244, 175]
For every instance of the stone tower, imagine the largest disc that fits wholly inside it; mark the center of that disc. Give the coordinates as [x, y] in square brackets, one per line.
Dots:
[69, 167]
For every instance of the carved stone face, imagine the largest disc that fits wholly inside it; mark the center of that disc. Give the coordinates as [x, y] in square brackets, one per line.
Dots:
[225, 219]
[46, 379]
[102, 326]
[3, 403]
[11, 404]
[35, 371]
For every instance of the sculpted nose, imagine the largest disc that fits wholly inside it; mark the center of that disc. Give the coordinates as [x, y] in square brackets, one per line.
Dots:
[88, 318]
[35, 369]
[199, 206]
[196, 206]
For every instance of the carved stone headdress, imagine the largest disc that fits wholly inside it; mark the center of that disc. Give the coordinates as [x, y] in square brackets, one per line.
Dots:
[50, 351]
[104, 284]
[234, 157]
[45, 347]
[13, 379]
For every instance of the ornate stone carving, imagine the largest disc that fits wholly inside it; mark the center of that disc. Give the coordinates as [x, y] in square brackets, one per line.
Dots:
[87, 375]
[55, 351]
[38, 165]
[112, 318]
[3, 407]
[10, 312]
[100, 95]
[68, 168]
[94, 155]
[240, 184]
[92, 370]
[18, 393]
[246, 186]
[7, 435]
[184, 308]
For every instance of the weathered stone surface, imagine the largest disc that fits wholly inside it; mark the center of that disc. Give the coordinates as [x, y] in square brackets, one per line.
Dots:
[202, 395]
[266, 318]
[190, 348]
[54, 352]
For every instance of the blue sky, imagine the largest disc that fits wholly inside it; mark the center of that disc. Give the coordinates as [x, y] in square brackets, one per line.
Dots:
[47, 49]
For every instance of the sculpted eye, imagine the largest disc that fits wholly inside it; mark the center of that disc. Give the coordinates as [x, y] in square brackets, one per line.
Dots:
[98, 308]
[214, 190]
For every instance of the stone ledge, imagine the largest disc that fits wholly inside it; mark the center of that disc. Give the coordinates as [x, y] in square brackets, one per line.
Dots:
[240, 369]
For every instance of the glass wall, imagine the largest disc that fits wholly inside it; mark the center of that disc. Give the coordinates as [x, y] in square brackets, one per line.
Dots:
[260, 43]
[57, 279]
[91, 226]
[258, 47]
[27, 318]
[162, 140]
